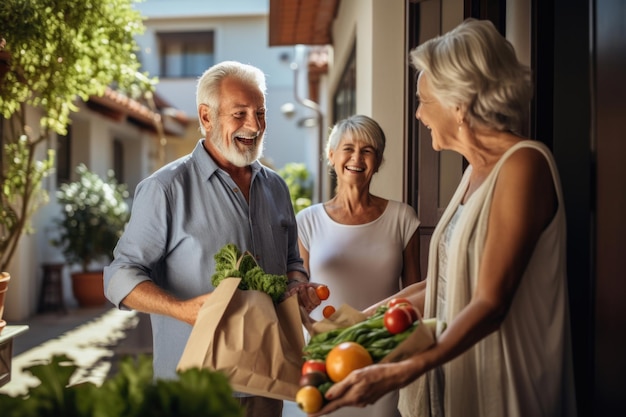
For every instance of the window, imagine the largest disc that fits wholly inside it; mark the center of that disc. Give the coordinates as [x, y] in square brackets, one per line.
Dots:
[118, 160]
[344, 100]
[63, 157]
[345, 97]
[186, 54]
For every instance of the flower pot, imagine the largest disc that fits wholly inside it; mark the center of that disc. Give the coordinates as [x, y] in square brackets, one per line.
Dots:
[88, 288]
[4, 286]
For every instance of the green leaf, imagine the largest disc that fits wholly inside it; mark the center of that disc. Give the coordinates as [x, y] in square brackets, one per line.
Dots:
[51, 397]
[94, 215]
[300, 185]
[132, 392]
[197, 393]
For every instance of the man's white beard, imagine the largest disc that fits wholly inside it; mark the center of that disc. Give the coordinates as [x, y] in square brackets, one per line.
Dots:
[232, 153]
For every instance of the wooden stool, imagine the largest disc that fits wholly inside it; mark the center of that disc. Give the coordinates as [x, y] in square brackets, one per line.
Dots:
[51, 297]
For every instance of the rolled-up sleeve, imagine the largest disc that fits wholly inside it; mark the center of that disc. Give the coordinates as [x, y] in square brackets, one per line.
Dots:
[142, 245]
[294, 260]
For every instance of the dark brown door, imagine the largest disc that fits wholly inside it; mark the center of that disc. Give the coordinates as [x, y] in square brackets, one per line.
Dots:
[423, 23]
[609, 209]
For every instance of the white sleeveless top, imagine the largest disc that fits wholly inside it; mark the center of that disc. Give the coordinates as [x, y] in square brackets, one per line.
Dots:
[361, 264]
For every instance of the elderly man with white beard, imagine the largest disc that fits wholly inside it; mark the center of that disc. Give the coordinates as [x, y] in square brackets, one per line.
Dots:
[188, 210]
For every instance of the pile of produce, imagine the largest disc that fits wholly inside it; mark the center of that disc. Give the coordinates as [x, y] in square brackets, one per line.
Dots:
[330, 356]
[231, 263]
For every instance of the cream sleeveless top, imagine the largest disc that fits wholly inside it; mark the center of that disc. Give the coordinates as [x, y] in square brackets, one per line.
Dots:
[524, 368]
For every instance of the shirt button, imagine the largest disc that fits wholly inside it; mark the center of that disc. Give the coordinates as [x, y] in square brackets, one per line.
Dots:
[235, 190]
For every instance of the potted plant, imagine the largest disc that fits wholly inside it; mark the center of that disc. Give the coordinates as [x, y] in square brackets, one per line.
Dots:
[94, 215]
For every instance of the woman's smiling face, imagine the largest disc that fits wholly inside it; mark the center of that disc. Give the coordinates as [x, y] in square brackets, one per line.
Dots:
[354, 160]
[434, 116]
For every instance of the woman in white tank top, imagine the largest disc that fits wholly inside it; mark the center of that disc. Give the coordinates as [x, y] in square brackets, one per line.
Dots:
[363, 247]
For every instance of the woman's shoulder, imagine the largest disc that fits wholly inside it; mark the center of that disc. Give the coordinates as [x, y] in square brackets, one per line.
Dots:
[402, 213]
[529, 172]
[527, 156]
[528, 149]
[309, 212]
[401, 207]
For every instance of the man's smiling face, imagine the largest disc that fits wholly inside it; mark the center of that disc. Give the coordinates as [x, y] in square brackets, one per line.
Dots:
[237, 131]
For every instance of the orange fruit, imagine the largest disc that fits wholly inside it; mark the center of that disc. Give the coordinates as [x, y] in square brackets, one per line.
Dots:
[322, 292]
[309, 399]
[345, 358]
[328, 311]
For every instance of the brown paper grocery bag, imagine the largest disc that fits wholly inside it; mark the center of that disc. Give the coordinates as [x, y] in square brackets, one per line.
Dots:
[420, 339]
[255, 343]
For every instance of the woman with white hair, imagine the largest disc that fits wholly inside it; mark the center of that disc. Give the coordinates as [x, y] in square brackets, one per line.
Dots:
[362, 246]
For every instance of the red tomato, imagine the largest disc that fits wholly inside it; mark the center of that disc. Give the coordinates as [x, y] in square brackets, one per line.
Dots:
[398, 300]
[328, 311]
[322, 292]
[397, 320]
[314, 365]
[409, 309]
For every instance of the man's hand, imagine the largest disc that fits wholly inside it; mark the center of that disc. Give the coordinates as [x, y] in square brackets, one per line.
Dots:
[307, 297]
[190, 308]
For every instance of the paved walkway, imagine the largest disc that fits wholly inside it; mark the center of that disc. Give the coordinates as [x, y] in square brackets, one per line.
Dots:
[90, 345]
[94, 338]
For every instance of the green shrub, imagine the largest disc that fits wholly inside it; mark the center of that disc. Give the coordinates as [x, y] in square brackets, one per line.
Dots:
[300, 185]
[132, 392]
[94, 215]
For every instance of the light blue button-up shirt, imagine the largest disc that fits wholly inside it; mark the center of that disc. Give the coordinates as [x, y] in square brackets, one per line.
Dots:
[181, 216]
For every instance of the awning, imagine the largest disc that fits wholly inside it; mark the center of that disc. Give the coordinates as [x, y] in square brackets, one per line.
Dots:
[301, 22]
[118, 107]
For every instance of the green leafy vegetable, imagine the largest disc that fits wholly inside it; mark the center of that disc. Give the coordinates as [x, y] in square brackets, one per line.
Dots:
[246, 263]
[273, 285]
[226, 263]
[132, 392]
[370, 333]
[230, 262]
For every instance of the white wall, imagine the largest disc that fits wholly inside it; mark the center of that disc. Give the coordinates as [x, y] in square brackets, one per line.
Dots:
[378, 28]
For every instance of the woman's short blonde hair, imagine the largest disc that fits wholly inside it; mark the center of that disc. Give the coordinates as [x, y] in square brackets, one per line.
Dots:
[475, 68]
[360, 128]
